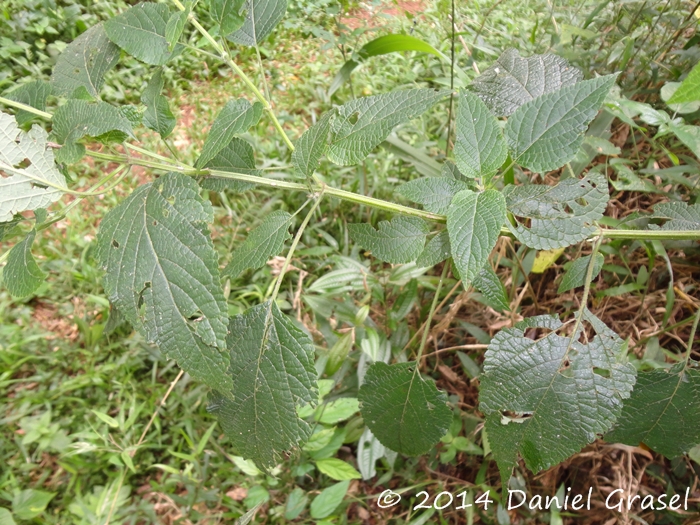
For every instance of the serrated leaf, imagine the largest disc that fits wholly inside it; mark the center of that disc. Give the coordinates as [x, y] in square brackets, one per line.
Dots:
[337, 469]
[140, 31]
[21, 275]
[575, 276]
[237, 157]
[559, 215]
[434, 193]
[31, 187]
[32, 94]
[9, 228]
[679, 215]
[406, 413]
[261, 18]
[158, 116]
[163, 276]
[175, 27]
[545, 133]
[512, 80]
[546, 399]
[437, 250]
[78, 118]
[491, 287]
[229, 14]
[689, 90]
[480, 148]
[235, 117]
[396, 242]
[82, 66]
[662, 412]
[362, 124]
[312, 145]
[474, 223]
[263, 242]
[272, 368]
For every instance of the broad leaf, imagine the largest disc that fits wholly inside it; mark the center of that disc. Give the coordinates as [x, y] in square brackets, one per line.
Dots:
[32, 94]
[480, 148]
[81, 68]
[689, 90]
[396, 242]
[663, 412]
[35, 186]
[21, 275]
[140, 31]
[405, 412]
[565, 392]
[687, 134]
[545, 133]
[337, 469]
[492, 289]
[362, 124]
[261, 18]
[237, 157]
[163, 276]
[229, 14]
[158, 116]
[30, 503]
[235, 117]
[437, 250]
[474, 223]
[78, 118]
[512, 80]
[559, 215]
[678, 215]
[263, 242]
[272, 368]
[328, 500]
[175, 27]
[575, 276]
[312, 146]
[434, 193]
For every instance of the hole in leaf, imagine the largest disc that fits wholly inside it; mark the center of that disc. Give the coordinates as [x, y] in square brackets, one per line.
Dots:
[155, 223]
[565, 365]
[601, 372]
[171, 200]
[197, 316]
[352, 119]
[537, 333]
[581, 201]
[24, 164]
[115, 243]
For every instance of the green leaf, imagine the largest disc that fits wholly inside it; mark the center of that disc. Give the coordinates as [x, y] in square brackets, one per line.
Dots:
[163, 277]
[480, 149]
[575, 276]
[328, 500]
[545, 133]
[261, 18]
[21, 275]
[34, 186]
[689, 90]
[78, 118]
[263, 242]
[236, 157]
[337, 469]
[437, 250]
[545, 399]
[663, 412]
[272, 368]
[559, 215]
[175, 26]
[396, 242]
[434, 193]
[491, 287]
[140, 31]
[668, 90]
[105, 418]
[678, 215]
[158, 116]
[9, 228]
[296, 503]
[6, 517]
[235, 117]
[32, 94]
[362, 124]
[688, 135]
[512, 80]
[474, 223]
[30, 503]
[339, 352]
[81, 68]
[337, 410]
[229, 14]
[406, 413]
[312, 145]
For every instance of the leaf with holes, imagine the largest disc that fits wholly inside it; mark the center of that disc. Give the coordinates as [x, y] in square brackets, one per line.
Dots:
[678, 215]
[474, 222]
[480, 148]
[237, 157]
[32, 94]
[272, 369]
[312, 146]
[81, 68]
[405, 412]
[396, 242]
[437, 250]
[434, 193]
[158, 116]
[163, 275]
[513, 80]
[21, 275]
[545, 133]
[229, 14]
[261, 18]
[560, 215]
[28, 187]
[575, 276]
[566, 394]
[663, 412]
[263, 242]
[492, 289]
[362, 124]
[141, 32]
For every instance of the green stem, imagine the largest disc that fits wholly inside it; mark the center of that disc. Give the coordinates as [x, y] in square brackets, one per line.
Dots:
[433, 307]
[586, 291]
[29, 109]
[691, 340]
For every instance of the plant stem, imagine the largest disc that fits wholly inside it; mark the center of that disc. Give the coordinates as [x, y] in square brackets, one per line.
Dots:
[29, 109]
[433, 307]
[586, 291]
[691, 339]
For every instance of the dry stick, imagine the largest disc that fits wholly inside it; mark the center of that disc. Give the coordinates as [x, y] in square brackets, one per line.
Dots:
[458, 347]
[678, 33]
